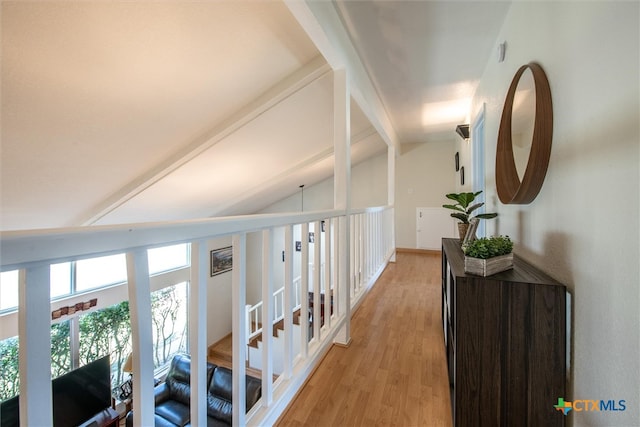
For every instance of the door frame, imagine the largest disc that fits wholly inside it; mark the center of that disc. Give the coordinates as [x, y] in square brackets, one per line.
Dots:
[478, 162]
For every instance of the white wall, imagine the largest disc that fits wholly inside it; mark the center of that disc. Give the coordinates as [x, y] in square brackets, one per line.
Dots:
[219, 299]
[369, 182]
[583, 227]
[368, 188]
[425, 172]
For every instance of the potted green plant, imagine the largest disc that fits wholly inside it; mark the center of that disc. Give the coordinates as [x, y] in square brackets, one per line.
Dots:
[464, 209]
[488, 255]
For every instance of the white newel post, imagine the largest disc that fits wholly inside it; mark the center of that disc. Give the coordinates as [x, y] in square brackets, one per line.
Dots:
[141, 335]
[198, 331]
[34, 353]
[239, 300]
[342, 188]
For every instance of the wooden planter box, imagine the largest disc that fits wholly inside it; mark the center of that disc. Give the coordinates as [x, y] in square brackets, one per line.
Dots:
[487, 267]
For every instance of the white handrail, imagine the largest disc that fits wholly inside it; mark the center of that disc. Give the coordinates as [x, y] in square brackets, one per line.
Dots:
[64, 244]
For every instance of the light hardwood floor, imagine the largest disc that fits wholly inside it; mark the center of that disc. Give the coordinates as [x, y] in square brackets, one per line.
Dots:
[394, 371]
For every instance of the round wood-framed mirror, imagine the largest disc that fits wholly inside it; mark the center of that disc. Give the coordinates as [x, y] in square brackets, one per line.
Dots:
[513, 188]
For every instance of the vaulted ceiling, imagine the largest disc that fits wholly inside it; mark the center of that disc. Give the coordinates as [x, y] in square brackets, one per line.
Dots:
[425, 58]
[118, 112]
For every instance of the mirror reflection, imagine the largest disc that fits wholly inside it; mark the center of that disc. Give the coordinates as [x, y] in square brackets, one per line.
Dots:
[523, 120]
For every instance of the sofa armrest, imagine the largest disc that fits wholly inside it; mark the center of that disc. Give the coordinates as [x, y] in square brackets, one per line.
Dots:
[254, 391]
[161, 393]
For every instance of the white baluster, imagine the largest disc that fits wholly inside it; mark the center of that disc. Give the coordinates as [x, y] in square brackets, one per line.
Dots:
[34, 352]
[267, 317]
[304, 292]
[317, 315]
[198, 331]
[239, 299]
[140, 309]
[328, 295]
[288, 302]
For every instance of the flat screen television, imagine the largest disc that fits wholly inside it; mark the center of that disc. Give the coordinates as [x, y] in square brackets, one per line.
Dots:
[77, 396]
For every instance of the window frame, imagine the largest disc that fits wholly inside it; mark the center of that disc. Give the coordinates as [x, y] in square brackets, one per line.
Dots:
[158, 280]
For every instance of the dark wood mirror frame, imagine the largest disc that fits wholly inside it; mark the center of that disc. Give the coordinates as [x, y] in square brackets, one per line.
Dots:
[512, 190]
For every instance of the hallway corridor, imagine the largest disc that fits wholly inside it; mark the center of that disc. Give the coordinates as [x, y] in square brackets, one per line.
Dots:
[394, 371]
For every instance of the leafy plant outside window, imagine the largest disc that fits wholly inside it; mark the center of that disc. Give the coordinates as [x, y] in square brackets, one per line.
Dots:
[9, 380]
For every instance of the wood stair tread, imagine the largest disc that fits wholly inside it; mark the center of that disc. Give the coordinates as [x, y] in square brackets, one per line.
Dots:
[253, 342]
[221, 354]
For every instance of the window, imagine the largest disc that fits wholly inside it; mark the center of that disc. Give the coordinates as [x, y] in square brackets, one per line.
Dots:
[98, 272]
[61, 279]
[102, 332]
[8, 290]
[168, 258]
[85, 337]
[60, 285]
[169, 322]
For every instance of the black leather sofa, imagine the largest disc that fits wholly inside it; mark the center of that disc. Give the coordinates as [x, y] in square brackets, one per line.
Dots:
[172, 397]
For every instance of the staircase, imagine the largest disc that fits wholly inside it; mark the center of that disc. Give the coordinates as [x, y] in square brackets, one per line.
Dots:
[277, 327]
[221, 354]
[255, 345]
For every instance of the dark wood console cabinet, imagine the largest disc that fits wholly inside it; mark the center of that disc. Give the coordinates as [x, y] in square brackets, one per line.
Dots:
[505, 339]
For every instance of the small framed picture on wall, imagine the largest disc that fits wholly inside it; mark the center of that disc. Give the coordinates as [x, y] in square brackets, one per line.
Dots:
[221, 260]
[462, 175]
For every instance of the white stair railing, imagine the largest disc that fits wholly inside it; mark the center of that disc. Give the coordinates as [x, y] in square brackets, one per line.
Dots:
[253, 315]
[33, 252]
[254, 312]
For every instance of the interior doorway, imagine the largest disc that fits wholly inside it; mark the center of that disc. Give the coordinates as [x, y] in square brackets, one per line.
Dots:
[432, 224]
